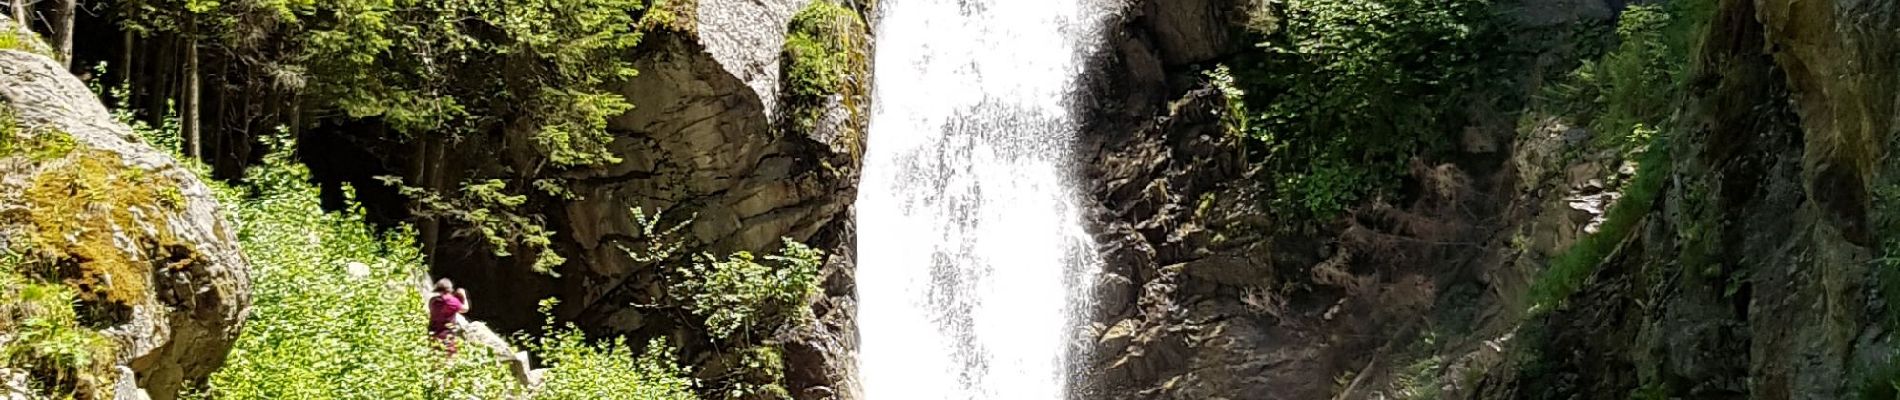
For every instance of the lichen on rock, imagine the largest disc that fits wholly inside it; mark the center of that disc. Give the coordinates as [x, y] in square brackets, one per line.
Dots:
[138, 237]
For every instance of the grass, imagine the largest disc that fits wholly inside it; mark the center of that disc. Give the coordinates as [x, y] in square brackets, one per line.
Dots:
[317, 333]
[1570, 270]
[1624, 96]
[677, 16]
[21, 41]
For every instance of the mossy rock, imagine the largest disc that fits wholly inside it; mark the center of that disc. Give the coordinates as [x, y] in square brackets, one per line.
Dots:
[146, 250]
[827, 73]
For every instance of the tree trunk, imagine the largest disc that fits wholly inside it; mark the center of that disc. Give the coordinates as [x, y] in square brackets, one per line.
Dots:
[159, 79]
[125, 61]
[419, 167]
[19, 13]
[63, 19]
[191, 122]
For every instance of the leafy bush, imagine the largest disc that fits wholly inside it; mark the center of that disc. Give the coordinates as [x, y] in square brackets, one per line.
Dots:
[314, 332]
[530, 83]
[1342, 93]
[576, 367]
[825, 54]
[740, 293]
[1638, 81]
[317, 333]
[740, 301]
[1629, 92]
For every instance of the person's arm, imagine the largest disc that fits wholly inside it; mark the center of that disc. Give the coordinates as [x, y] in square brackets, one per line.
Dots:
[463, 295]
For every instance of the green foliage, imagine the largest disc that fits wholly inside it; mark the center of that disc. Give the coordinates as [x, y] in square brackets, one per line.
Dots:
[1637, 75]
[470, 67]
[531, 83]
[1624, 97]
[578, 369]
[487, 206]
[1637, 82]
[1569, 270]
[680, 16]
[766, 367]
[1880, 382]
[739, 300]
[166, 136]
[317, 333]
[49, 338]
[741, 293]
[36, 143]
[825, 54]
[1235, 119]
[1419, 379]
[1342, 93]
[24, 41]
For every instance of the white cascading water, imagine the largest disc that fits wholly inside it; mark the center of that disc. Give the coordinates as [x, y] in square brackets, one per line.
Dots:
[972, 260]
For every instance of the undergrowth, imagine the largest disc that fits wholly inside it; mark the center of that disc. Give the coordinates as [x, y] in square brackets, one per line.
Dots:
[63, 356]
[1338, 97]
[1569, 270]
[317, 333]
[1627, 98]
[826, 53]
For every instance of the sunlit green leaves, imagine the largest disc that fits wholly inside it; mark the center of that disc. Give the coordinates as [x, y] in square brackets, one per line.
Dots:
[742, 292]
[317, 333]
[1339, 94]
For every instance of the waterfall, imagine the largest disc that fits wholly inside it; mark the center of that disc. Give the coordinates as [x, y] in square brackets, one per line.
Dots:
[973, 266]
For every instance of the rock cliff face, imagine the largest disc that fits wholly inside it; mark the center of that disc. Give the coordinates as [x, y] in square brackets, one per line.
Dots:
[143, 241]
[708, 144]
[1754, 274]
[701, 145]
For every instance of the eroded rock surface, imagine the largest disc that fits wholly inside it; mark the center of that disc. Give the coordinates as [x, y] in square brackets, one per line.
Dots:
[707, 145]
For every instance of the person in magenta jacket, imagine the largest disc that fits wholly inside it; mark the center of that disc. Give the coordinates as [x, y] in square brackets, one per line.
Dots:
[448, 303]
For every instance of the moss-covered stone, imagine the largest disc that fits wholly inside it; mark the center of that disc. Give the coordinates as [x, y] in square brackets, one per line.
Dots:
[50, 340]
[93, 213]
[827, 53]
[12, 37]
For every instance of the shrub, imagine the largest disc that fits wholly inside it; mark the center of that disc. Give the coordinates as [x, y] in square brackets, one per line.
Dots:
[826, 53]
[316, 333]
[1630, 92]
[608, 369]
[740, 301]
[740, 293]
[1638, 81]
[1342, 93]
[61, 354]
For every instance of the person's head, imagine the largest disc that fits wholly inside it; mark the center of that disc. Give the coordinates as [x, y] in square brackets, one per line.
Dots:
[444, 286]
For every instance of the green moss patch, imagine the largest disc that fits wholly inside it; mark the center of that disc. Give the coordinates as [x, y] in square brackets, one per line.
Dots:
[826, 53]
[19, 41]
[37, 144]
[677, 16]
[81, 208]
[84, 207]
[62, 356]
